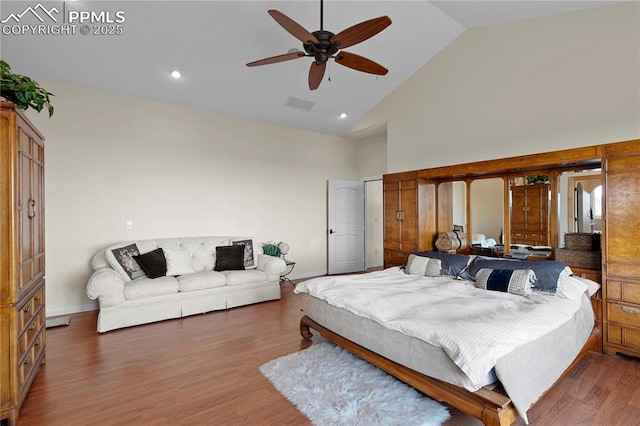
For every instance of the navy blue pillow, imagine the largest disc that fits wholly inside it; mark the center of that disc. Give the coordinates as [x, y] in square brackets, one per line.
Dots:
[547, 271]
[451, 264]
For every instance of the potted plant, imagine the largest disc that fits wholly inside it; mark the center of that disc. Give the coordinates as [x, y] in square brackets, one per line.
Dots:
[271, 249]
[23, 91]
[537, 179]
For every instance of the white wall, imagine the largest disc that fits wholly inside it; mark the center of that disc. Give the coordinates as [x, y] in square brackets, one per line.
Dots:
[533, 86]
[372, 155]
[174, 172]
[374, 227]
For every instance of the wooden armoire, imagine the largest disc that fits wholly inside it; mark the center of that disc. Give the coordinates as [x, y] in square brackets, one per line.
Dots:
[530, 214]
[22, 261]
[409, 216]
[621, 252]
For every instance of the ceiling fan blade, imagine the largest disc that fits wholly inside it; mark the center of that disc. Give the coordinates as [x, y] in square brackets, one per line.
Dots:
[293, 27]
[278, 58]
[360, 63]
[316, 72]
[360, 32]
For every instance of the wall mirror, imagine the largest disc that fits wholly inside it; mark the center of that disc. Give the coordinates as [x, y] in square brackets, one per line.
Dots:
[486, 199]
[580, 202]
[452, 206]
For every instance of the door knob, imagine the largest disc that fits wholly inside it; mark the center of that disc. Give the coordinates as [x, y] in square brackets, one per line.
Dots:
[331, 231]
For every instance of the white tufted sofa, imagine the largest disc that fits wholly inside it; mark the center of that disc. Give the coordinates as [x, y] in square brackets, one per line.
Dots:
[125, 302]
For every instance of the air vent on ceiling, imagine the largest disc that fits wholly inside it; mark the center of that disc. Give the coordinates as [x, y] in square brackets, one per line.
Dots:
[299, 103]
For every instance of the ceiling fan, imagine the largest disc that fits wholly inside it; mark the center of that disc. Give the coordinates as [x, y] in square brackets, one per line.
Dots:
[323, 45]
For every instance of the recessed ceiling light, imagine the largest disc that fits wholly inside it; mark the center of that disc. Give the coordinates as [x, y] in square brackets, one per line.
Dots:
[343, 115]
[176, 73]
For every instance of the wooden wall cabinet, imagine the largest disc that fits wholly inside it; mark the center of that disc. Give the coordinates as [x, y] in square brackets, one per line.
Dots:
[22, 262]
[530, 215]
[409, 216]
[621, 244]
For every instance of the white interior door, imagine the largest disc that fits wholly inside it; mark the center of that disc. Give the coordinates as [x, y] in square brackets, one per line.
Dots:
[346, 226]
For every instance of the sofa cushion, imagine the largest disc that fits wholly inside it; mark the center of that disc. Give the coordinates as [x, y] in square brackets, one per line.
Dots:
[121, 260]
[246, 276]
[178, 262]
[201, 280]
[249, 257]
[229, 258]
[145, 288]
[153, 263]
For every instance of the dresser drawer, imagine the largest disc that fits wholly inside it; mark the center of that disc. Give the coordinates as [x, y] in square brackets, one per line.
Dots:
[30, 359]
[624, 291]
[394, 257]
[628, 337]
[29, 309]
[623, 314]
[590, 274]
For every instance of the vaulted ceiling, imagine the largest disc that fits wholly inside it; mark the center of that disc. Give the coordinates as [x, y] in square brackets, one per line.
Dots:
[211, 41]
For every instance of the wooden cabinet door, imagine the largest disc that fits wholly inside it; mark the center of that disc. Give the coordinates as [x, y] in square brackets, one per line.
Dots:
[409, 221]
[391, 194]
[537, 208]
[622, 200]
[518, 209]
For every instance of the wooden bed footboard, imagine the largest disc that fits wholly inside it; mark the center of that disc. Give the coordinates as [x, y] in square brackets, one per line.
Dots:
[492, 407]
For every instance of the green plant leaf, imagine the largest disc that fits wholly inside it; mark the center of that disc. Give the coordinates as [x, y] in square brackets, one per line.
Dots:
[23, 91]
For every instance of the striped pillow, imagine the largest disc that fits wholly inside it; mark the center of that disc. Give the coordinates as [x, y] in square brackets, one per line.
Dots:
[517, 281]
[418, 265]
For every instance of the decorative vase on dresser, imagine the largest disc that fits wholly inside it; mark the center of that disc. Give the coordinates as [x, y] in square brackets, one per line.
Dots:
[22, 261]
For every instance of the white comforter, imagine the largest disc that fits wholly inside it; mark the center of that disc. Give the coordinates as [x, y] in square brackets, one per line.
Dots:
[474, 327]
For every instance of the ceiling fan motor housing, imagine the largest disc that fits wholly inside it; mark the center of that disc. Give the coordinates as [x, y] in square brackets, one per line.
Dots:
[323, 49]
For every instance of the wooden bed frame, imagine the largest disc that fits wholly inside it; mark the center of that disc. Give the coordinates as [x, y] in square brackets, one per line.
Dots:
[492, 407]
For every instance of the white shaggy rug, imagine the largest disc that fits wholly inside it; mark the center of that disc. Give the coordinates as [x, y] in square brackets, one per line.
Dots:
[331, 386]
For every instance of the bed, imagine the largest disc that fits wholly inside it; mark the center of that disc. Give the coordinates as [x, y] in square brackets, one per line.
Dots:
[440, 326]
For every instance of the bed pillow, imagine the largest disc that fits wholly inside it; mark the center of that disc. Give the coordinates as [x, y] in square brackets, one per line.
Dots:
[547, 272]
[153, 263]
[179, 262]
[121, 260]
[420, 265]
[249, 259]
[229, 258]
[451, 264]
[518, 281]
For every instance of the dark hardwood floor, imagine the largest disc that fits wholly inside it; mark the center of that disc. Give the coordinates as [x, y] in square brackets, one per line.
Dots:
[203, 369]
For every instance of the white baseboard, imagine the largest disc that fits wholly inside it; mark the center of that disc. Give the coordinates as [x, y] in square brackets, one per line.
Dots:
[307, 275]
[374, 265]
[66, 310]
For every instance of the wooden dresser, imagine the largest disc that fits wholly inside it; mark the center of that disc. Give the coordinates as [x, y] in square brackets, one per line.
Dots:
[530, 215]
[22, 261]
[409, 216]
[621, 249]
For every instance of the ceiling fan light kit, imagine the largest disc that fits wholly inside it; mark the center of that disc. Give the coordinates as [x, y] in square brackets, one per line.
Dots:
[323, 45]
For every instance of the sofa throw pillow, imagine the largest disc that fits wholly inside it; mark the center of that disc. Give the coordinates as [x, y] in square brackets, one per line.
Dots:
[153, 263]
[229, 258]
[249, 260]
[518, 281]
[419, 265]
[121, 260]
[179, 262]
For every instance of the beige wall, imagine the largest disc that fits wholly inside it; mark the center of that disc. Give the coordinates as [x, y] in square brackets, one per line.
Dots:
[174, 172]
[532, 86]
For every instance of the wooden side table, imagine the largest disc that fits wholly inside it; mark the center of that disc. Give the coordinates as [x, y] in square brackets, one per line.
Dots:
[283, 276]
